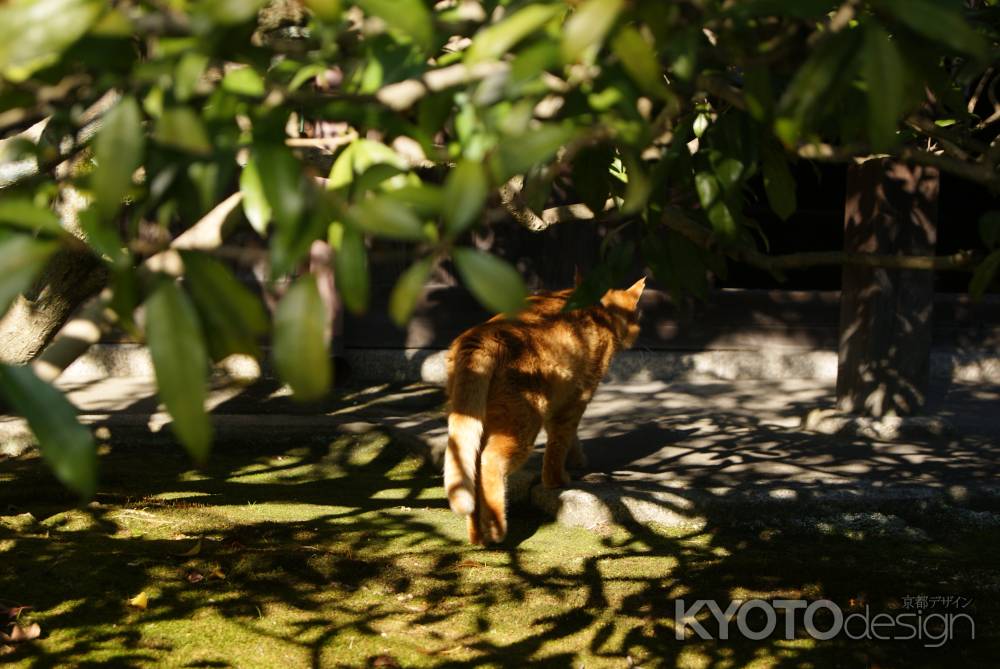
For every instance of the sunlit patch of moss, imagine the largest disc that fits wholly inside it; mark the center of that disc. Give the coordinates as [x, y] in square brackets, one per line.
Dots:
[191, 476]
[313, 554]
[178, 494]
[651, 566]
[73, 520]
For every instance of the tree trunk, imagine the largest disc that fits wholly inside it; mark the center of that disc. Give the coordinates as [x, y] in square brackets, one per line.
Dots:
[885, 315]
[69, 279]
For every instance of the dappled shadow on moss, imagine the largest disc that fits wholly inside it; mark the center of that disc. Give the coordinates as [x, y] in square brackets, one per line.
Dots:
[338, 551]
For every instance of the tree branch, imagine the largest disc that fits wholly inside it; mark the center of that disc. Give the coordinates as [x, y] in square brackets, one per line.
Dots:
[676, 220]
[96, 316]
[722, 89]
[404, 94]
[981, 172]
[88, 124]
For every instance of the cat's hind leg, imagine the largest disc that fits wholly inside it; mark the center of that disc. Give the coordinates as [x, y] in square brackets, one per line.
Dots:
[508, 445]
[492, 511]
[475, 536]
[561, 441]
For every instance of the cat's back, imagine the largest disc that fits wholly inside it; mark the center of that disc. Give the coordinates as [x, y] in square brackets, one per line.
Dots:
[515, 331]
[535, 344]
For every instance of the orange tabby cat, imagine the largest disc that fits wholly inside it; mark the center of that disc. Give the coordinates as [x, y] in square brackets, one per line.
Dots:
[508, 378]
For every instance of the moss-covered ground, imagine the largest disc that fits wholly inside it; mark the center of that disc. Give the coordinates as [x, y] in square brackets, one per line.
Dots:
[343, 553]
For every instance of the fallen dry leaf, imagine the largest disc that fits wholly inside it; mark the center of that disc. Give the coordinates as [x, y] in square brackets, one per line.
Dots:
[217, 573]
[20, 634]
[140, 601]
[13, 612]
[469, 564]
[387, 661]
[194, 576]
[450, 649]
[191, 552]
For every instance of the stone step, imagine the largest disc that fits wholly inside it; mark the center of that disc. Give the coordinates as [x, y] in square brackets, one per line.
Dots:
[678, 454]
[428, 365]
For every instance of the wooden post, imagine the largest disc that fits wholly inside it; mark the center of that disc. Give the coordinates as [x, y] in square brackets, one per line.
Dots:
[885, 315]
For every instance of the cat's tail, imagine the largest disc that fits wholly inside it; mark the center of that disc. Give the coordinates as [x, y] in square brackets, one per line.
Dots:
[469, 387]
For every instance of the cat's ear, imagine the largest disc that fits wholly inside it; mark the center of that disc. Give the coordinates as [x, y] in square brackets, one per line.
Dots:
[635, 291]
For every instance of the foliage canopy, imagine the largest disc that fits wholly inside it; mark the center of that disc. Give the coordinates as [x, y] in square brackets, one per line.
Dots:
[647, 113]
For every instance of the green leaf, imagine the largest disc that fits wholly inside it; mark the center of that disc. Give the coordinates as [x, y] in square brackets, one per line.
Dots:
[387, 218]
[255, 204]
[808, 92]
[188, 74]
[721, 218]
[230, 11]
[307, 73]
[989, 229]
[465, 192]
[22, 213]
[802, 9]
[728, 170]
[684, 54]
[885, 73]
[707, 187]
[656, 253]
[243, 81]
[942, 22]
[758, 93]
[234, 317]
[103, 238]
[280, 177]
[700, 125]
[301, 353]
[350, 265]
[67, 446]
[125, 288]
[640, 61]
[359, 157]
[410, 17]
[290, 243]
[342, 172]
[498, 39]
[639, 185]
[118, 148]
[424, 200]
[494, 282]
[180, 361]
[21, 259]
[34, 33]
[516, 155]
[182, 129]
[378, 177]
[325, 10]
[588, 27]
[778, 181]
[368, 152]
[114, 24]
[983, 275]
[527, 67]
[407, 290]
[608, 273]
